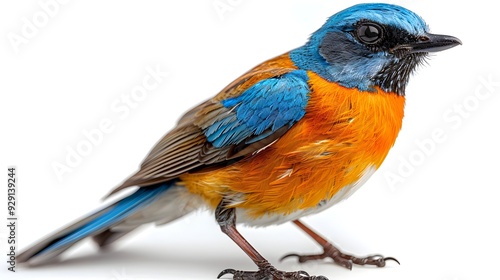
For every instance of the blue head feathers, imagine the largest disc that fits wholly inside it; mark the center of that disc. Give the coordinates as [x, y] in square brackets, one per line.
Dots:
[370, 45]
[385, 14]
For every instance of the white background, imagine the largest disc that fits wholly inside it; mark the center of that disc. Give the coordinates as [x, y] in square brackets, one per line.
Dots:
[441, 222]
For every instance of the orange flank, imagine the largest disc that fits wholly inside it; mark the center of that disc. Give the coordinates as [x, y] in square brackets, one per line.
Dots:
[344, 133]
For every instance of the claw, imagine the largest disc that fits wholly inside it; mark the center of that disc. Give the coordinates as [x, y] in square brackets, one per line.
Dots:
[391, 259]
[319, 278]
[374, 257]
[302, 272]
[289, 255]
[226, 271]
[269, 272]
[342, 259]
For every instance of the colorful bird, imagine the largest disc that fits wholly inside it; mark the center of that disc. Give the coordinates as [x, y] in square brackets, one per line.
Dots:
[289, 138]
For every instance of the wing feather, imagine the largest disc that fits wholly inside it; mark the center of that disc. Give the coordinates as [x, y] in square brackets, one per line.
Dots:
[248, 115]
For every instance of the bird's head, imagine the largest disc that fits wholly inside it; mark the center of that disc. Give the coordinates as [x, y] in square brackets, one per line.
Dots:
[370, 45]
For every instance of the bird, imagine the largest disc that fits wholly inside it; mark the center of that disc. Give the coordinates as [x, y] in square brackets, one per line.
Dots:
[291, 137]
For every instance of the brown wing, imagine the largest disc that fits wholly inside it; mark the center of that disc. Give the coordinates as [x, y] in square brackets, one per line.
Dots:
[185, 148]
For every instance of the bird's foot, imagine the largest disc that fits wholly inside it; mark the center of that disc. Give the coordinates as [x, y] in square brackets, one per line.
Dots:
[342, 259]
[268, 272]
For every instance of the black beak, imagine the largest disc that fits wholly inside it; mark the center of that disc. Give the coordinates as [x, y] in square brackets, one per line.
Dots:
[429, 43]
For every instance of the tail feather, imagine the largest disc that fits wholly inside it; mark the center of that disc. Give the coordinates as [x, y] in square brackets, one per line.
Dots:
[95, 224]
[109, 236]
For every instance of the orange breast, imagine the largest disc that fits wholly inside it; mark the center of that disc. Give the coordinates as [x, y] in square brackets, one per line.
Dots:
[343, 133]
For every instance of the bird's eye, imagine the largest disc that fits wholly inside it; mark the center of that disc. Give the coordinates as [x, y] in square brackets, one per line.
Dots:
[369, 33]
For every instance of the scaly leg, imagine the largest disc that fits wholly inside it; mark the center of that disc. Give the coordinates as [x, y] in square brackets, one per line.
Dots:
[226, 217]
[329, 251]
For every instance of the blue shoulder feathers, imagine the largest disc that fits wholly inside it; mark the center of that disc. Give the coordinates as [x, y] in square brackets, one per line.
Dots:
[262, 109]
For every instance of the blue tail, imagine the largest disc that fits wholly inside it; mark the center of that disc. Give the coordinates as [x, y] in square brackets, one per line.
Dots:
[92, 225]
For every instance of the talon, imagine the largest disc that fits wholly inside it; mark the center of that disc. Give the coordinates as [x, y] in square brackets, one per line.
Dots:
[269, 272]
[302, 272]
[347, 265]
[375, 257]
[342, 259]
[319, 278]
[289, 255]
[391, 259]
[226, 271]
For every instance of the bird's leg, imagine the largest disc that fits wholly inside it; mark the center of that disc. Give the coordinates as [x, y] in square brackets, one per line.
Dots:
[226, 217]
[329, 251]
